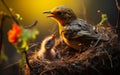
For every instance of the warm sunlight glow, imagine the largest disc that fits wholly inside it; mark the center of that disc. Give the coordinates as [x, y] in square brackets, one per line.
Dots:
[33, 9]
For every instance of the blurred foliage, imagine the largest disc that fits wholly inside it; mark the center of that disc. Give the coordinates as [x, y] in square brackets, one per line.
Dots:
[17, 15]
[20, 37]
[3, 56]
[103, 19]
[26, 35]
[22, 61]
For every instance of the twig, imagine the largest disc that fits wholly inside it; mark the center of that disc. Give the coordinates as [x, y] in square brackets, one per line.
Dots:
[109, 58]
[31, 26]
[98, 40]
[118, 7]
[84, 10]
[12, 16]
[1, 32]
[3, 16]
[118, 21]
[94, 68]
[15, 20]
[33, 45]
[46, 71]
[27, 61]
[6, 67]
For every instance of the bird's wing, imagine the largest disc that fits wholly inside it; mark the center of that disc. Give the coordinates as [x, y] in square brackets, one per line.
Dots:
[80, 29]
[86, 29]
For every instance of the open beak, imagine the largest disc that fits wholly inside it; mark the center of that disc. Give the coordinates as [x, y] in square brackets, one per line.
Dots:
[54, 35]
[50, 13]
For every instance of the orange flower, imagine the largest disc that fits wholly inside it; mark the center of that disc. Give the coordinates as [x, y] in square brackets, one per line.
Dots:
[14, 34]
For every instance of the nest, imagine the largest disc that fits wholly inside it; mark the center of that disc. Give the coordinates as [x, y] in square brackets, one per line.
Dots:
[95, 60]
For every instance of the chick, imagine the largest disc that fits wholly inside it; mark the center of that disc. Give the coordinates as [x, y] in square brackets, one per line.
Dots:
[46, 51]
[75, 32]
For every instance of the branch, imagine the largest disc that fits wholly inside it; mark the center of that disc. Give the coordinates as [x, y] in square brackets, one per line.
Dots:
[14, 19]
[27, 61]
[3, 16]
[12, 16]
[84, 10]
[118, 23]
[31, 26]
[118, 7]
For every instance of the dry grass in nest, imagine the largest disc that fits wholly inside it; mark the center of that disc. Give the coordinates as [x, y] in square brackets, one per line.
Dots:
[104, 56]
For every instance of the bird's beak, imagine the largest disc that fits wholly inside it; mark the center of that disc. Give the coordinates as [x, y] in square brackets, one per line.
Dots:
[54, 35]
[50, 13]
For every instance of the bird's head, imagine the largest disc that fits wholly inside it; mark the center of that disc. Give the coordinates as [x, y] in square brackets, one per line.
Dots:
[61, 14]
[49, 42]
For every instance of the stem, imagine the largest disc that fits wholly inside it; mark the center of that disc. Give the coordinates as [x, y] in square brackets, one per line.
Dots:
[111, 63]
[118, 21]
[1, 33]
[27, 61]
[15, 20]
[3, 16]
[32, 25]
[118, 7]
[84, 10]
[12, 16]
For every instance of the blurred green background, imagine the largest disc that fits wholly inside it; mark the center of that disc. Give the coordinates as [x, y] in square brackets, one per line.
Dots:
[31, 10]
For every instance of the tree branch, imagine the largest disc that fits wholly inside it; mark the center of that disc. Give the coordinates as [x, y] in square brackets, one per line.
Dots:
[12, 16]
[2, 18]
[15, 20]
[118, 7]
[118, 21]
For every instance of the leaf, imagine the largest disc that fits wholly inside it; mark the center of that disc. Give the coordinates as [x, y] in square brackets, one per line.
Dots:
[22, 61]
[34, 34]
[24, 45]
[17, 49]
[18, 16]
[3, 56]
[25, 35]
[23, 40]
[103, 19]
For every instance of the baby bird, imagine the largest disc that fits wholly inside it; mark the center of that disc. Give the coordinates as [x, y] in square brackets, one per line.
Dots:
[75, 32]
[46, 51]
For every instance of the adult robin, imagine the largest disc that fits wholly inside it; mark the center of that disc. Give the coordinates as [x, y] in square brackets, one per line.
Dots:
[75, 32]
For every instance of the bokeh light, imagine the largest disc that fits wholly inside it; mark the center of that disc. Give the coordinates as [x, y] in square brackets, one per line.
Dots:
[31, 10]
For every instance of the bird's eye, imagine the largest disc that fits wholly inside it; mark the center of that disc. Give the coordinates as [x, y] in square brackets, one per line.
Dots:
[59, 13]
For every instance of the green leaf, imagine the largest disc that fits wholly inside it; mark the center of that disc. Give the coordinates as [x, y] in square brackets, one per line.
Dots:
[3, 56]
[26, 35]
[27, 47]
[18, 16]
[24, 45]
[18, 49]
[19, 40]
[103, 19]
[34, 34]
[22, 62]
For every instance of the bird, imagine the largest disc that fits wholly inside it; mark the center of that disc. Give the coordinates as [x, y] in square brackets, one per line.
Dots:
[75, 32]
[46, 50]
